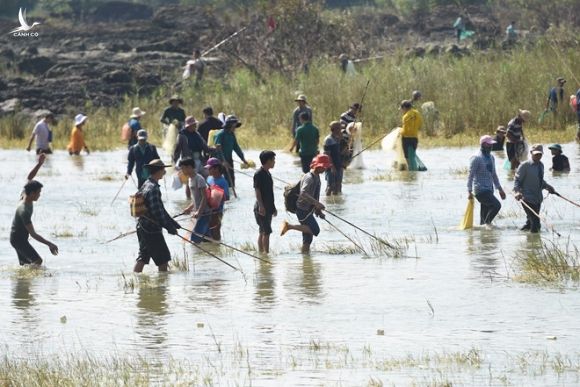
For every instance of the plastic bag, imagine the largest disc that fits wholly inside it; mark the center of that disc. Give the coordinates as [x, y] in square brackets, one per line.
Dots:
[467, 221]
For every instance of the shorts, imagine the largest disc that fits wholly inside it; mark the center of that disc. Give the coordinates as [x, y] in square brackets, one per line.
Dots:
[264, 222]
[46, 151]
[201, 228]
[307, 218]
[26, 253]
[152, 245]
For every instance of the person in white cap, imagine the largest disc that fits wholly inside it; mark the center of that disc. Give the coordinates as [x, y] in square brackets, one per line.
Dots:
[135, 125]
[77, 138]
[528, 186]
[482, 179]
[302, 107]
[141, 154]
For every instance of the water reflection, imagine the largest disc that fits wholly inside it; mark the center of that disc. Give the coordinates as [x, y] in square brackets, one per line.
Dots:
[78, 161]
[309, 283]
[24, 300]
[483, 247]
[152, 309]
[265, 285]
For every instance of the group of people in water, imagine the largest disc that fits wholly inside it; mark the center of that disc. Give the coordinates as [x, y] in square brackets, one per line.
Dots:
[203, 158]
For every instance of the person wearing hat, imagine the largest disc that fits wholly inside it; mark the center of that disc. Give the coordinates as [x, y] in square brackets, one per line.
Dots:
[301, 108]
[308, 203]
[209, 123]
[149, 226]
[199, 205]
[190, 144]
[560, 162]
[411, 123]
[43, 134]
[499, 138]
[227, 143]
[332, 149]
[306, 140]
[528, 185]
[77, 140]
[216, 177]
[482, 179]
[174, 112]
[265, 207]
[515, 146]
[135, 125]
[140, 155]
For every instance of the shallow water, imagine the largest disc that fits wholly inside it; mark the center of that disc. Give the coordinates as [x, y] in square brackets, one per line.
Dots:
[451, 292]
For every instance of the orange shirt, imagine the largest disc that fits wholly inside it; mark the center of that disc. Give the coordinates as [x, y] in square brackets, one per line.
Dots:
[77, 140]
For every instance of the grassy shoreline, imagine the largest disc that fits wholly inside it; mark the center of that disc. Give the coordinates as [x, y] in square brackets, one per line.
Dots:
[473, 95]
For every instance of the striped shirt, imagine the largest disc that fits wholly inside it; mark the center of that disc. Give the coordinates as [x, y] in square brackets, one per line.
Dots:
[482, 174]
[346, 118]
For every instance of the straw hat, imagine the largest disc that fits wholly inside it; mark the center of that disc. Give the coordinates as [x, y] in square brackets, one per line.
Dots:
[80, 119]
[175, 97]
[156, 164]
[190, 121]
[137, 113]
[525, 115]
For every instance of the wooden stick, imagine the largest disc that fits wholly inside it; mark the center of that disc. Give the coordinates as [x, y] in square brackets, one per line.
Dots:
[346, 236]
[208, 252]
[226, 245]
[568, 200]
[118, 192]
[539, 217]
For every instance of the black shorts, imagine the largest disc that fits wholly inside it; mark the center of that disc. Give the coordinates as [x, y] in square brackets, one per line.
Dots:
[47, 151]
[409, 142]
[26, 253]
[152, 245]
[264, 222]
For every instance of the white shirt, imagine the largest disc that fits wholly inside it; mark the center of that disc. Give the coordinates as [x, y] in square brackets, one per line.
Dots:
[41, 131]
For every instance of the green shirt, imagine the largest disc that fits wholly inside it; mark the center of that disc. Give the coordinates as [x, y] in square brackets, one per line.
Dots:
[307, 137]
[22, 218]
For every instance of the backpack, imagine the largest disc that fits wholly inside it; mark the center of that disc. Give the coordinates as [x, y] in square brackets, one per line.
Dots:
[126, 132]
[291, 193]
[137, 205]
[215, 196]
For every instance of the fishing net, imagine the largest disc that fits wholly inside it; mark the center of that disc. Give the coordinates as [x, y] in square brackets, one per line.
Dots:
[392, 144]
[170, 139]
[355, 131]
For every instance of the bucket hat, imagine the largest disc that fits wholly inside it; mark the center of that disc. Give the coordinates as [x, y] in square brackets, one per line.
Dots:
[557, 147]
[79, 119]
[232, 120]
[137, 113]
[322, 161]
[301, 97]
[190, 121]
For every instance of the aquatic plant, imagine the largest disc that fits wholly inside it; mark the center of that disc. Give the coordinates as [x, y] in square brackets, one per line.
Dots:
[549, 263]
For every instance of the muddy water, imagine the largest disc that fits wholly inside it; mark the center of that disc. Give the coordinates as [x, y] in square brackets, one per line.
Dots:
[451, 291]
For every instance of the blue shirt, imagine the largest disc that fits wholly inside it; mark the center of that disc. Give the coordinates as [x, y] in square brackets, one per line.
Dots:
[223, 184]
[529, 181]
[135, 126]
[482, 174]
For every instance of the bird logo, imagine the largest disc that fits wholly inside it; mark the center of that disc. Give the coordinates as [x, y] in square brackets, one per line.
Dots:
[24, 26]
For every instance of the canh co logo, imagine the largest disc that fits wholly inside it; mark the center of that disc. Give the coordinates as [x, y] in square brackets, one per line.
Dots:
[24, 28]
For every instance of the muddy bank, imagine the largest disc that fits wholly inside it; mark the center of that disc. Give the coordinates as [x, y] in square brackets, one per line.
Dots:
[122, 49]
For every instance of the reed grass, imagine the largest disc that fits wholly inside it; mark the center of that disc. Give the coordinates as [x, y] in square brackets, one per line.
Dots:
[473, 94]
[549, 263]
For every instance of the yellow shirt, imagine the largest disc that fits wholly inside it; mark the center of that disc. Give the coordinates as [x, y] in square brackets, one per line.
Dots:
[412, 122]
[77, 141]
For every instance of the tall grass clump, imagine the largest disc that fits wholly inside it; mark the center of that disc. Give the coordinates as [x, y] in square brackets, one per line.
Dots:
[474, 94]
[549, 263]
